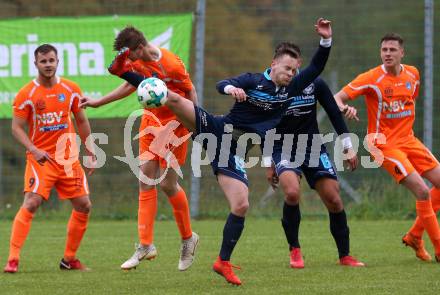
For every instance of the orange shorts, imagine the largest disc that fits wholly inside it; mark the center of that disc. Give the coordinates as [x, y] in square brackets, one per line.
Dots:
[400, 161]
[41, 178]
[160, 141]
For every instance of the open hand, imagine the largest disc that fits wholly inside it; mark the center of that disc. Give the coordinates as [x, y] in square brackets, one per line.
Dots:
[323, 28]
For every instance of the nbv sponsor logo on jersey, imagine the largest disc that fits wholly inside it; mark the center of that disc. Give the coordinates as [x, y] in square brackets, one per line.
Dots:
[49, 118]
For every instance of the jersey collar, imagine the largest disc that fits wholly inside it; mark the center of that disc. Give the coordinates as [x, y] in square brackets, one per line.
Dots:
[402, 68]
[267, 74]
[38, 84]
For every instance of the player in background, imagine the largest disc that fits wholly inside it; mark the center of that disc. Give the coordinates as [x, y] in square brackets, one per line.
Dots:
[44, 107]
[151, 61]
[312, 160]
[390, 91]
[261, 99]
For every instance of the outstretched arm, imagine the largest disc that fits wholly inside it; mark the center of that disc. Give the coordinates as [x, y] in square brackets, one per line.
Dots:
[122, 91]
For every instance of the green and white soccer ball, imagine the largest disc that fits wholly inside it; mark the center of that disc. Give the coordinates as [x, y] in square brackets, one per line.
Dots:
[152, 93]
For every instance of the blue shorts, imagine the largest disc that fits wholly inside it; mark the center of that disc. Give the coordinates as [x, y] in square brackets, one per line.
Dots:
[313, 169]
[223, 159]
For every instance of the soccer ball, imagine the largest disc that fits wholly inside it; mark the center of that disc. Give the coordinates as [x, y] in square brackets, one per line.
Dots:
[152, 93]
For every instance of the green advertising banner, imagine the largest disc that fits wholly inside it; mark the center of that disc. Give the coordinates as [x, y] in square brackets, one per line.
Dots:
[85, 49]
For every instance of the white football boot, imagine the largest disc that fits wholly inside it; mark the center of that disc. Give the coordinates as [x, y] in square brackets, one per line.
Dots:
[142, 252]
[187, 252]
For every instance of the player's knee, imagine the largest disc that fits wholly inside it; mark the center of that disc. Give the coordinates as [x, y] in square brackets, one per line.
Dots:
[31, 206]
[87, 207]
[84, 207]
[169, 188]
[422, 193]
[32, 203]
[334, 204]
[292, 195]
[241, 208]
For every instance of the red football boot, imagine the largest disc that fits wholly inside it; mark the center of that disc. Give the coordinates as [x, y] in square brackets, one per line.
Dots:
[224, 268]
[296, 258]
[120, 64]
[72, 265]
[11, 266]
[350, 261]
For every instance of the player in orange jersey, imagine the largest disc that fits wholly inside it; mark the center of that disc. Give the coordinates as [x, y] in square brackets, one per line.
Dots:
[44, 106]
[152, 61]
[390, 91]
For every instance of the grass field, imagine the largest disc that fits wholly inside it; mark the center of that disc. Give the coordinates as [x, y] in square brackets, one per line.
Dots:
[262, 254]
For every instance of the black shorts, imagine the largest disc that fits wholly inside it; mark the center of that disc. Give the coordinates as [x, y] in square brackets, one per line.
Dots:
[313, 169]
[224, 159]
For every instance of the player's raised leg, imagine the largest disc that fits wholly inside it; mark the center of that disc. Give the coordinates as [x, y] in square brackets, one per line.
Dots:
[328, 190]
[20, 229]
[183, 109]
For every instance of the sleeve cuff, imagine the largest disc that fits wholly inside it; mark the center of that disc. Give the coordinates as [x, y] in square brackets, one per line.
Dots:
[346, 143]
[267, 161]
[227, 88]
[326, 42]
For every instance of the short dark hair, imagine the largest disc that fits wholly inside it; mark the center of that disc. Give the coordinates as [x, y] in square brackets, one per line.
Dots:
[129, 37]
[45, 48]
[287, 48]
[392, 37]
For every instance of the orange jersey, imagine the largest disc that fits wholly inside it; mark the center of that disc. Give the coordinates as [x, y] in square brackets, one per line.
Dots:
[48, 111]
[171, 70]
[390, 101]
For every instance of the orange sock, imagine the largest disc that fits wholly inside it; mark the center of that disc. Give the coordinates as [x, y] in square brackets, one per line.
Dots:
[429, 220]
[19, 232]
[417, 228]
[181, 213]
[76, 227]
[146, 215]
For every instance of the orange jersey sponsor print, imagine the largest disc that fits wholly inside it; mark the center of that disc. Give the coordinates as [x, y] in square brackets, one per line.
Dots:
[171, 70]
[48, 112]
[390, 101]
